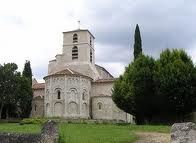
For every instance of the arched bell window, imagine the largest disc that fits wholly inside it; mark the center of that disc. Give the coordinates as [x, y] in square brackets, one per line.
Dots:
[90, 41]
[91, 56]
[75, 38]
[74, 53]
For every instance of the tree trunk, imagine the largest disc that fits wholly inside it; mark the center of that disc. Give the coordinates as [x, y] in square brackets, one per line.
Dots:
[1, 108]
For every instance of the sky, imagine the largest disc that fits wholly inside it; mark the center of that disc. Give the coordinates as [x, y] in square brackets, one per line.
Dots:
[32, 29]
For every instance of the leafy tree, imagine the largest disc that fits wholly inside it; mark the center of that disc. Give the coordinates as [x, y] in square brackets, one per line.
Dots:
[137, 43]
[8, 84]
[175, 78]
[134, 91]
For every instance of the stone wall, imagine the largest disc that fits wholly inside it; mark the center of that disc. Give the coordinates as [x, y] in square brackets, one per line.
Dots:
[37, 107]
[102, 107]
[49, 134]
[183, 133]
[74, 96]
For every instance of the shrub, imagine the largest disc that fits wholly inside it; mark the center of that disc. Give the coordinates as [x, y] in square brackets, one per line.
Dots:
[33, 121]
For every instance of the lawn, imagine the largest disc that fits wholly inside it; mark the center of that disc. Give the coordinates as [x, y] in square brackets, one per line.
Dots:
[17, 128]
[88, 133]
[99, 133]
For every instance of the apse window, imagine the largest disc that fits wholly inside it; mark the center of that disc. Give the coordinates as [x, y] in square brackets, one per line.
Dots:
[83, 96]
[75, 38]
[99, 105]
[58, 94]
[74, 53]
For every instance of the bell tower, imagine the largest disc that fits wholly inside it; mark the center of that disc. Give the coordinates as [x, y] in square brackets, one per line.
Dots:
[78, 47]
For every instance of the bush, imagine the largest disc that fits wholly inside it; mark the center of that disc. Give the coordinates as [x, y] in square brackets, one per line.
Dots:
[33, 121]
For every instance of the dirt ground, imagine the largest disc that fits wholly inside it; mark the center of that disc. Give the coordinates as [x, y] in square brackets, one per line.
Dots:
[149, 137]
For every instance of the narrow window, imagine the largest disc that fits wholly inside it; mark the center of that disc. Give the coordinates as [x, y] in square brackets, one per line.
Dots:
[91, 56]
[58, 94]
[74, 53]
[99, 106]
[75, 38]
[83, 94]
[90, 41]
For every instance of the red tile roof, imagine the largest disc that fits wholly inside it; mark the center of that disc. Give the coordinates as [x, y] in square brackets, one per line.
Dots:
[39, 86]
[67, 72]
[105, 80]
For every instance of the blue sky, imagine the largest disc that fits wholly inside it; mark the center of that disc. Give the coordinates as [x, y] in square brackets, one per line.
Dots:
[32, 30]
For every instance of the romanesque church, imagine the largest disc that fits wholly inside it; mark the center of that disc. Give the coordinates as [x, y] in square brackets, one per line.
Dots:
[75, 86]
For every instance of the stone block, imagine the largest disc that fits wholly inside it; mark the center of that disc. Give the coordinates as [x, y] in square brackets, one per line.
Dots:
[183, 133]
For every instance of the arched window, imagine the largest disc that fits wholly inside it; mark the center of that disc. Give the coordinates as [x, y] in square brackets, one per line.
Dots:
[90, 41]
[58, 94]
[75, 38]
[74, 53]
[99, 105]
[84, 95]
[91, 56]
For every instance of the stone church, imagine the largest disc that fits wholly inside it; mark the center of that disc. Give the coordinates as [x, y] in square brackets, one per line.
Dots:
[75, 86]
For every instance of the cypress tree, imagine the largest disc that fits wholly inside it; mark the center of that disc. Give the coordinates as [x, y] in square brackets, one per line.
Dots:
[27, 72]
[26, 95]
[137, 43]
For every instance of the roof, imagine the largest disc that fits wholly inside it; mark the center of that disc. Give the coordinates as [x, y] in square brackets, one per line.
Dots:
[102, 95]
[106, 80]
[38, 86]
[67, 72]
[98, 66]
[79, 30]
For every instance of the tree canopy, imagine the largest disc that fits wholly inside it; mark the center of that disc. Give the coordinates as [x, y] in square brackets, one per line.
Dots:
[162, 89]
[16, 92]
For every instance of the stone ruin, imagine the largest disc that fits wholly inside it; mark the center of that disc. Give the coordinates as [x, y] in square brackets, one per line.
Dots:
[49, 134]
[183, 133]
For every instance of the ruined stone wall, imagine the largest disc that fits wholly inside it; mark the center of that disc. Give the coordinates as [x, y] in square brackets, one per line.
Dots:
[183, 133]
[49, 134]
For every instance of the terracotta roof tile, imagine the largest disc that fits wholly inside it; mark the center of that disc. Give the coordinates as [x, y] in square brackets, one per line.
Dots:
[67, 72]
[39, 86]
[105, 80]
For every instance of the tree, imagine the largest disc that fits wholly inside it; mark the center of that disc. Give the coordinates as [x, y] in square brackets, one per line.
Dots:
[137, 43]
[24, 97]
[27, 72]
[133, 92]
[27, 93]
[175, 78]
[8, 76]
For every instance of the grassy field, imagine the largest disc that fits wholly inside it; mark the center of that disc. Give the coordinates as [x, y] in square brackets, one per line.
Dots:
[99, 133]
[88, 133]
[17, 128]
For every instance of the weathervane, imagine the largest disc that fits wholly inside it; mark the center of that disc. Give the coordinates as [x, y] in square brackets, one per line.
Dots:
[79, 24]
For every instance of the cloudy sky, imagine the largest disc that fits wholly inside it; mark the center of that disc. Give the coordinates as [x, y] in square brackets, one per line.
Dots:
[32, 29]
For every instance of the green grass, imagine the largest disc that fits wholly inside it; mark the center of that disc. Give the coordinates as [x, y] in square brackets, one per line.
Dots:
[17, 128]
[89, 133]
[99, 133]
